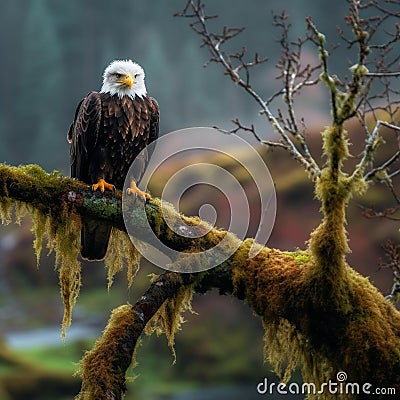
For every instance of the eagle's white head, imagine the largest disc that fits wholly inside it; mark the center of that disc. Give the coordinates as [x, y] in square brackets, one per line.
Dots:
[124, 78]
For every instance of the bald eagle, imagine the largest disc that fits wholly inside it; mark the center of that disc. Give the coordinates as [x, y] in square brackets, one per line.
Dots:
[110, 129]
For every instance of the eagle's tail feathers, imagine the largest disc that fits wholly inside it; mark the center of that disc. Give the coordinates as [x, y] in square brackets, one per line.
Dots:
[94, 240]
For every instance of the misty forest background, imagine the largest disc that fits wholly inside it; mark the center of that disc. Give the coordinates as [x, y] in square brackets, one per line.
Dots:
[52, 54]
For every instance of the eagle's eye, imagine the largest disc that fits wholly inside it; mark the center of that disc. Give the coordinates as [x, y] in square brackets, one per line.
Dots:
[136, 75]
[118, 76]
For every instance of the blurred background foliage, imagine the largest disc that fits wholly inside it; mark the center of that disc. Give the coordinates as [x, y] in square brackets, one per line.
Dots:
[52, 53]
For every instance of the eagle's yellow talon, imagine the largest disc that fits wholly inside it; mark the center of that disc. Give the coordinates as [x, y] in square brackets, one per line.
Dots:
[102, 185]
[134, 190]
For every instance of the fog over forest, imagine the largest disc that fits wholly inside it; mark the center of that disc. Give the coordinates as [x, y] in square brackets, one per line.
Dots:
[54, 52]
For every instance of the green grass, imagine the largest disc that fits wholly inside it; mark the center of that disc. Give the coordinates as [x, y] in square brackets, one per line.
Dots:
[63, 359]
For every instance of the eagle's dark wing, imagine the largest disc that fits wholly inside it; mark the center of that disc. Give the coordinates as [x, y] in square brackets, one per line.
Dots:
[83, 135]
[154, 120]
[148, 113]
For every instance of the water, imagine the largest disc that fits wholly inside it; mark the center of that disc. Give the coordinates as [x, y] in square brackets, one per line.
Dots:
[47, 337]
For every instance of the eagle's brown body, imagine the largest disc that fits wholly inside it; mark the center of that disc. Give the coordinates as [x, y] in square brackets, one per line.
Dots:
[107, 134]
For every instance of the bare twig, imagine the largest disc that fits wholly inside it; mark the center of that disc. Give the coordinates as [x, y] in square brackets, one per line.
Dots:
[383, 74]
[238, 69]
[368, 151]
[392, 252]
[252, 130]
[319, 40]
[387, 213]
[372, 174]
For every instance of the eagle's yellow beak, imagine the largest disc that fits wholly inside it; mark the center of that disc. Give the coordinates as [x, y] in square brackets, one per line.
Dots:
[127, 79]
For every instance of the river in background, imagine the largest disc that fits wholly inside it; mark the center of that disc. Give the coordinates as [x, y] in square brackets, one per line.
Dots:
[48, 337]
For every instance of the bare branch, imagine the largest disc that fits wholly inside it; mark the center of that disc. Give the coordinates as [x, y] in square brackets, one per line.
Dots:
[387, 213]
[319, 40]
[372, 174]
[252, 130]
[383, 74]
[392, 253]
[294, 77]
[369, 150]
[234, 65]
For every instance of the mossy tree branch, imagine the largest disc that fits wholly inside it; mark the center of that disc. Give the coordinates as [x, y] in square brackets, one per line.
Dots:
[301, 327]
[349, 97]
